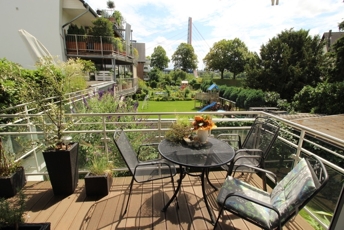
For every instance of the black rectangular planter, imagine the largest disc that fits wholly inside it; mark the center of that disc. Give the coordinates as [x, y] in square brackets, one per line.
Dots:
[97, 185]
[30, 226]
[63, 170]
[9, 186]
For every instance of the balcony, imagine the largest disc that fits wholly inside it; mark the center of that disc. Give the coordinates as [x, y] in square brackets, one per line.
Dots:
[88, 46]
[78, 211]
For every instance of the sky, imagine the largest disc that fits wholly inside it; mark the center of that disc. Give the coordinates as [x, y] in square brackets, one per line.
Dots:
[165, 22]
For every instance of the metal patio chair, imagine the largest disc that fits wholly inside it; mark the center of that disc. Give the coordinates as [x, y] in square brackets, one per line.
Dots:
[142, 171]
[255, 148]
[275, 209]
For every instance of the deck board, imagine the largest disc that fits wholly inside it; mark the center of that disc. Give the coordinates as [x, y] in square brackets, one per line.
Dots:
[79, 211]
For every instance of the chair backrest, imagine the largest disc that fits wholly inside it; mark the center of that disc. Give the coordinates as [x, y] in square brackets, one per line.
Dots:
[126, 150]
[300, 185]
[262, 135]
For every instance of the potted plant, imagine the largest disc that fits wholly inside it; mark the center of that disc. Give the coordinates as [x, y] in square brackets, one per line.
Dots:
[76, 39]
[179, 130]
[12, 175]
[98, 180]
[52, 80]
[103, 31]
[12, 215]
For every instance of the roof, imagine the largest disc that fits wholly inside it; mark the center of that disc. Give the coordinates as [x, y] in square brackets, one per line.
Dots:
[332, 125]
[213, 86]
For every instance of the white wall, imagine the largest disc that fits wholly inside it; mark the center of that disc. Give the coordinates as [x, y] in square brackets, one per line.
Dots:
[41, 18]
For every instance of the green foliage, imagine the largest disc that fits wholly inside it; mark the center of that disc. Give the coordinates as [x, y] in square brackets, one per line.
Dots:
[74, 29]
[289, 61]
[337, 55]
[155, 75]
[8, 165]
[325, 98]
[101, 27]
[179, 129]
[11, 83]
[159, 59]
[230, 55]
[118, 18]
[52, 80]
[184, 57]
[99, 164]
[92, 147]
[177, 76]
[12, 211]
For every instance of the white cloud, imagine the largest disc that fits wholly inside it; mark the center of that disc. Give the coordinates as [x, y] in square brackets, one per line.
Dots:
[162, 22]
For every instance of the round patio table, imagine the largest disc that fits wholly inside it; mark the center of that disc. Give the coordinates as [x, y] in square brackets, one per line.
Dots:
[213, 153]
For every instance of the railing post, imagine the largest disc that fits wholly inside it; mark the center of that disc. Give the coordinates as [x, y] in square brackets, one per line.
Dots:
[337, 222]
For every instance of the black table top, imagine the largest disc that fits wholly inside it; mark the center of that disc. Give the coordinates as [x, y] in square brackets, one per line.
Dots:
[212, 154]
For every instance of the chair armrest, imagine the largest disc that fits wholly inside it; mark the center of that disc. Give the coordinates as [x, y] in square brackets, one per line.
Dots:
[259, 169]
[269, 206]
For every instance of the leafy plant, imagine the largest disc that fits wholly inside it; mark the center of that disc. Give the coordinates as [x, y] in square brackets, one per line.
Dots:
[181, 128]
[46, 89]
[99, 164]
[12, 211]
[7, 164]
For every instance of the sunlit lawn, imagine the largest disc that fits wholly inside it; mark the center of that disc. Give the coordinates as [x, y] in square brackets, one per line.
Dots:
[168, 106]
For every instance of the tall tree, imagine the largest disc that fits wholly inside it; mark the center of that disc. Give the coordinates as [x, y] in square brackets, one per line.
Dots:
[159, 59]
[184, 57]
[228, 55]
[287, 63]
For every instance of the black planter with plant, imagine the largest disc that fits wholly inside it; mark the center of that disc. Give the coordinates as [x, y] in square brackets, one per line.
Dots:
[54, 80]
[12, 175]
[98, 180]
[12, 215]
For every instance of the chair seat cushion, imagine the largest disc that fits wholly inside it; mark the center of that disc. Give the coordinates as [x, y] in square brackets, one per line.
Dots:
[296, 187]
[242, 207]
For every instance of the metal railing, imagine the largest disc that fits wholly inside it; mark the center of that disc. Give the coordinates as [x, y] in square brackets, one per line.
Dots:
[96, 45]
[294, 142]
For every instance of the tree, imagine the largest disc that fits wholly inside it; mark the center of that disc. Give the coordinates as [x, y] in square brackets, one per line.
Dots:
[159, 59]
[184, 58]
[228, 55]
[341, 26]
[287, 63]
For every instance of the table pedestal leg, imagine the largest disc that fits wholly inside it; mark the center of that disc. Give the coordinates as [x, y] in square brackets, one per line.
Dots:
[211, 214]
[181, 176]
[207, 175]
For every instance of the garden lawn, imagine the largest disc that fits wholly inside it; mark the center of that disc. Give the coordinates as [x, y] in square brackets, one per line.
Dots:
[167, 106]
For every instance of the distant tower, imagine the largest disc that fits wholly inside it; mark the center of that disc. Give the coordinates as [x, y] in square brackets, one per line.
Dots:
[190, 31]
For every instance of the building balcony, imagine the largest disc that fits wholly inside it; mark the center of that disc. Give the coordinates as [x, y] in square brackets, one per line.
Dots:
[88, 46]
[78, 211]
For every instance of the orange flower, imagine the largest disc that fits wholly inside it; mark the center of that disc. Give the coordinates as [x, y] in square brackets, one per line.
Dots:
[203, 122]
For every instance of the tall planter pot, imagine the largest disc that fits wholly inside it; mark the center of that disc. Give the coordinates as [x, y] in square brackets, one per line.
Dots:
[30, 226]
[97, 185]
[9, 186]
[63, 170]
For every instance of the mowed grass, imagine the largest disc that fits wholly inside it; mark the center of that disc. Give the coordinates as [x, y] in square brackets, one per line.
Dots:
[168, 106]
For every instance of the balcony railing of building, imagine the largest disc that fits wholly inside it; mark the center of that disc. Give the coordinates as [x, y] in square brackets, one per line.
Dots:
[87, 45]
[293, 142]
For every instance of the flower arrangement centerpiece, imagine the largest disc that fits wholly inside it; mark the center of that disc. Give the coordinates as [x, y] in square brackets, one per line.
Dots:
[202, 124]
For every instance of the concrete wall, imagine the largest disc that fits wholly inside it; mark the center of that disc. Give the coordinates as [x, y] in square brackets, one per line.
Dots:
[40, 18]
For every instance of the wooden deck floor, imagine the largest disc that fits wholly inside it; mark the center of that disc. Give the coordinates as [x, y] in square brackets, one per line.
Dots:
[78, 211]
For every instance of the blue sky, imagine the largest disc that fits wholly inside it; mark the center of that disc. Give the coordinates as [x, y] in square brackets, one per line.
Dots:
[165, 22]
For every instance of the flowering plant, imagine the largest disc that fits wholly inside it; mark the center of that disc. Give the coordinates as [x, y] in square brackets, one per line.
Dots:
[203, 122]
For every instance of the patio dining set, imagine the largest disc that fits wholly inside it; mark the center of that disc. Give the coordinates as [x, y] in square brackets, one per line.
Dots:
[268, 210]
